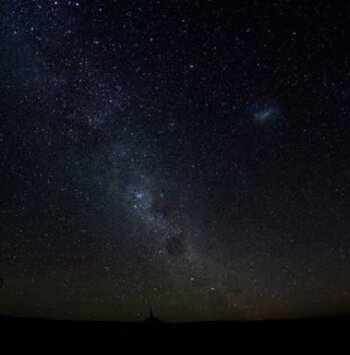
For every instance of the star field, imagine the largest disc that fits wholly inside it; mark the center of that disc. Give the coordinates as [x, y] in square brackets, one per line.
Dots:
[190, 156]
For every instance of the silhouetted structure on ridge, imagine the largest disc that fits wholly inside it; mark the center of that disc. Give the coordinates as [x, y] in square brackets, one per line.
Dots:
[151, 320]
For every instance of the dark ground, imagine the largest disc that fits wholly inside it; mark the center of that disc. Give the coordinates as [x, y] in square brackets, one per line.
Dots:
[324, 334]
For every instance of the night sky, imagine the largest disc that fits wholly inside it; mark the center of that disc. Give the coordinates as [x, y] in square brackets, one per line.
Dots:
[189, 156]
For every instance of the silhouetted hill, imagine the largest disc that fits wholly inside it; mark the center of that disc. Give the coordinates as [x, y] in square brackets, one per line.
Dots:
[56, 334]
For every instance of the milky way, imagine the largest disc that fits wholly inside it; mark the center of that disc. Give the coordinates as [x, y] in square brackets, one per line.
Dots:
[187, 156]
